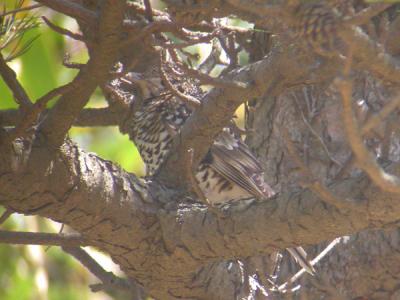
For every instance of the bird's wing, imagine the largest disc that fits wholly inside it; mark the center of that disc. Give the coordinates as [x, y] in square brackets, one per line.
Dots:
[231, 158]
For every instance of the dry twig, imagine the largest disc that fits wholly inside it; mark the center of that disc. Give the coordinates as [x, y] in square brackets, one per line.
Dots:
[68, 64]
[315, 185]
[191, 40]
[366, 14]
[376, 119]
[40, 238]
[283, 287]
[71, 9]
[21, 9]
[88, 117]
[63, 31]
[109, 280]
[315, 134]
[364, 159]
[5, 215]
[10, 78]
[164, 66]
[204, 78]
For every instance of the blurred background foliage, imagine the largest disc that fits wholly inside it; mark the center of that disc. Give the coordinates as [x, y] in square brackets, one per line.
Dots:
[36, 272]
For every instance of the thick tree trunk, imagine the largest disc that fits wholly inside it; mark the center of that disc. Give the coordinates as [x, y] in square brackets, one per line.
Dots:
[365, 264]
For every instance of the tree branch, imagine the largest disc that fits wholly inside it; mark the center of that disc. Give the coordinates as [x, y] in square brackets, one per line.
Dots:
[283, 287]
[368, 55]
[63, 31]
[128, 222]
[40, 238]
[5, 215]
[72, 10]
[67, 108]
[108, 279]
[21, 9]
[31, 115]
[89, 117]
[10, 78]
[150, 231]
[381, 116]
[365, 160]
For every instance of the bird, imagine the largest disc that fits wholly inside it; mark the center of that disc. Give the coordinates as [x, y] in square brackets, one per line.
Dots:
[229, 172]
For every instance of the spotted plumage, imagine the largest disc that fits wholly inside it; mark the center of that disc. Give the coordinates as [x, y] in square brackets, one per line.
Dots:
[154, 127]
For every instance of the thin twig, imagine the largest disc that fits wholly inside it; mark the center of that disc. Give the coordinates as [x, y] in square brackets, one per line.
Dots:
[191, 101]
[315, 185]
[204, 78]
[40, 238]
[108, 278]
[372, 122]
[137, 8]
[6, 215]
[155, 26]
[63, 31]
[71, 9]
[315, 134]
[192, 41]
[348, 164]
[283, 287]
[380, 117]
[370, 55]
[88, 117]
[235, 51]
[148, 10]
[367, 14]
[68, 64]
[21, 9]
[10, 78]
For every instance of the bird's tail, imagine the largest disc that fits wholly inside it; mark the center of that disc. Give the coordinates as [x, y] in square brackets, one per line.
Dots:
[300, 255]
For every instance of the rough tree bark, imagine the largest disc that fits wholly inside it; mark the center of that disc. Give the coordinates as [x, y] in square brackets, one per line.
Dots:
[164, 240]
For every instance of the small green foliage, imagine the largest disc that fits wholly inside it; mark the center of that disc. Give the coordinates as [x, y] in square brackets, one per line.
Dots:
[13, 29]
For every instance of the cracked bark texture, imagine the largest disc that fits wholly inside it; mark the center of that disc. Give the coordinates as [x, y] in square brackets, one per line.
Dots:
[177, 249]
[365, 265]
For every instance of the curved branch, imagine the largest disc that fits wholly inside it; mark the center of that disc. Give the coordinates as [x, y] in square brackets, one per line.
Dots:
[62, 115]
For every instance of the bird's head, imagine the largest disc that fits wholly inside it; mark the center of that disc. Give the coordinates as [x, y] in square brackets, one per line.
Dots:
[146, 85]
